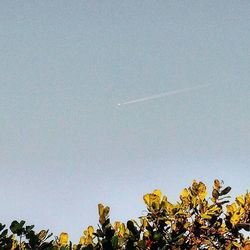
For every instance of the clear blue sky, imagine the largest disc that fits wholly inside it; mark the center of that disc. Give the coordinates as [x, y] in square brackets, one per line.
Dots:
[65, 145]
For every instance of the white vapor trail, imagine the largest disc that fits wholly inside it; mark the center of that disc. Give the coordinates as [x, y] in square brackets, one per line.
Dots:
[164, 94]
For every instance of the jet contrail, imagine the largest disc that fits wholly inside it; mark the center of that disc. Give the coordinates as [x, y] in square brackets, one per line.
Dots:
[164, 94]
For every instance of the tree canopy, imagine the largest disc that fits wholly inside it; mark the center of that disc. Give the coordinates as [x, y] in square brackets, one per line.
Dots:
[196, 221]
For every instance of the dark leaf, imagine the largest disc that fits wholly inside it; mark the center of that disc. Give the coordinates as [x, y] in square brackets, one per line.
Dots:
[215, 194]
[14, 227]
[2, 226]
[225, 191]
[245, 226]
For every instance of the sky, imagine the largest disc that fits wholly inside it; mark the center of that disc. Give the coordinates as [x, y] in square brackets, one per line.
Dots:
[65, 144]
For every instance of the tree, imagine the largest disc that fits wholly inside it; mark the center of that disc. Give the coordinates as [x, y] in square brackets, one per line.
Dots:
[194, 222]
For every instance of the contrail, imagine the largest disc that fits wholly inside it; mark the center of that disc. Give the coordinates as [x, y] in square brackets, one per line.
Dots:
[164, 94]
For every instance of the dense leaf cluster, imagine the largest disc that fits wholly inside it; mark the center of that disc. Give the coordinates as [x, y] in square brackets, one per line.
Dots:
[194, 222]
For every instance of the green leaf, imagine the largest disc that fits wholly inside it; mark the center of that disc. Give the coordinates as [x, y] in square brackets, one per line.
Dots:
[22, 222]
[142, 244]
[157, 236]
[14, 227]
[4, 233]
[17, 228]
[29, 228]
[114, 241]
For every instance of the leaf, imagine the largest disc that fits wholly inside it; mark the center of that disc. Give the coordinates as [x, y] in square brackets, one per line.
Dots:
[217, 184]
[142, 244]
[4, 233]
[114, 241]
[157, 192]
[42, 235]
[109, 233]
[225, 191]
[205, 216]
[157, 236]
[131, 227]
[235, 219]
[15, 227]
[63, 239]
[90, 231]
[2, 226]
[184, 193]
[22, 222]
[245, 226]
[146, 199]
[236, 244]
[215, 194]
[98, 233]
[240, 200]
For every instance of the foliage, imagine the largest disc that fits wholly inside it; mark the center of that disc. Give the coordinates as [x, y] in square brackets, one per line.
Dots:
[194, 222]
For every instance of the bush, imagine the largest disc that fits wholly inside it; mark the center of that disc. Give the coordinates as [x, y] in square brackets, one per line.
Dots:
[194, 222]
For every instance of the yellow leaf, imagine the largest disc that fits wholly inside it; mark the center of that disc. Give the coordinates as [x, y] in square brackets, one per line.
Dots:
[100, 209]
[146, 234]
[169, 207]
[103, 213]
[117, 225]
[144, 222]
[235, 219]
[231, 208]
[63, 239]
[146, 199]
[90, 231]
[82, 240]
[106, 211]
[165, 199]
[184, 193]
[202, 191]
[214, 209]
[247, 198]
[167, 222]
[240, 200]
[152, 200]
[122, 230]
[89, 240]
[205, 216]
[157, 192]
[14, 245]
[42, 235]
[236, 244]
[194, 184]
[202, 187]
[194, 201]
[174, 227]
[155, 200]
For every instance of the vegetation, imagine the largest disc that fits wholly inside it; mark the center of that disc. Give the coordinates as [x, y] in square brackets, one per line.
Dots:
[194, 222]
